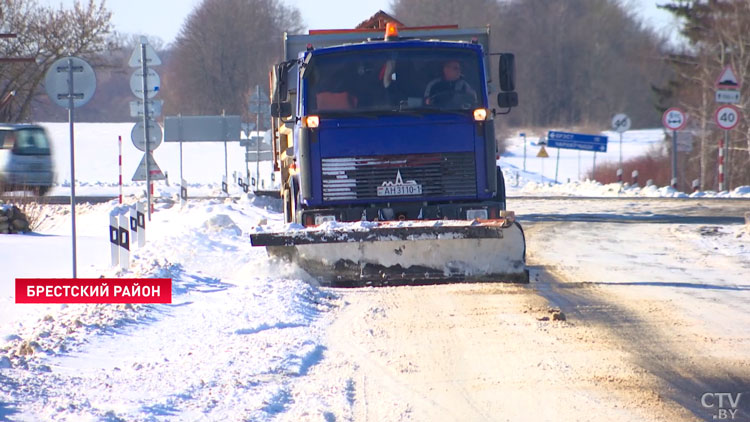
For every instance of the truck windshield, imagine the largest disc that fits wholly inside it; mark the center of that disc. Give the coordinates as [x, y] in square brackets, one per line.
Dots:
[387, 80]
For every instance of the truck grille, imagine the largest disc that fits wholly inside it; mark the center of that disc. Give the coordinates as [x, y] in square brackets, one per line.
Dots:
[399, 176]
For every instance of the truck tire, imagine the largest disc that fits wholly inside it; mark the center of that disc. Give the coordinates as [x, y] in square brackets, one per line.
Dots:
[287, 206]
[500, 194]
[294, 200]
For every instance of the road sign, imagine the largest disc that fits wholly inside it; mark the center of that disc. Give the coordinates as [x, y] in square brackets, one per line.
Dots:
[579, 141]
[56, 82]
[153, 82]
[151, 58]
[154, 170]
[202, 128]
[729, 96]
[620, 123]
[728, 79]
[154, 108]
[259, 103]
[542, 153]
[674, 119]
[139, 138]
[727, 117]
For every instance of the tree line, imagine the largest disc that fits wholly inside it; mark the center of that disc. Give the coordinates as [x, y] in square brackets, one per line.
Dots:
[578, 62]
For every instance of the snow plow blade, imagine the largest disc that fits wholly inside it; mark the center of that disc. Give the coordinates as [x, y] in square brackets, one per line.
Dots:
[389, 253]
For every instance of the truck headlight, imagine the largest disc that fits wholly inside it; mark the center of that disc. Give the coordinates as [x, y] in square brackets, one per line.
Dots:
[476, 214]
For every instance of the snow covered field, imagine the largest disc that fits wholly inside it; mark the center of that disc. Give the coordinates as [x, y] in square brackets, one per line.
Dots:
[251, 339]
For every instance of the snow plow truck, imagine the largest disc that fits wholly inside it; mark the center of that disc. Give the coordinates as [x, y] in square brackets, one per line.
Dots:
[388, 158]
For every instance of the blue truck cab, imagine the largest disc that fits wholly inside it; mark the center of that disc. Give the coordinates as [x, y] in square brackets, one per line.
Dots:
[389, 128]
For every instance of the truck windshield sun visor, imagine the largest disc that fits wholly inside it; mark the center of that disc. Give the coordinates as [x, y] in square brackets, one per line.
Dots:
[419, 80]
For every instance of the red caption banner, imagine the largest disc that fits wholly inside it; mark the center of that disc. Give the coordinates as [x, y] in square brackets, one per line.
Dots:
[93, 290]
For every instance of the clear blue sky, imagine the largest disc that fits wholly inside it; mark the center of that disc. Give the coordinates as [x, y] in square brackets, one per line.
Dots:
[164, 18]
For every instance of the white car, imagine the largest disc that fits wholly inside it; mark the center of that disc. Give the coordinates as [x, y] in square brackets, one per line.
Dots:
[25, 158]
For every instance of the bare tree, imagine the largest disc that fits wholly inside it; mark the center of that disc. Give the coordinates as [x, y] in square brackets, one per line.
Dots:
[223, 50]
[46, 34]
[718, 36]
[578, 61]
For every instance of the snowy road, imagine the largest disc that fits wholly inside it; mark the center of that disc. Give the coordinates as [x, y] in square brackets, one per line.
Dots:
[637, 310]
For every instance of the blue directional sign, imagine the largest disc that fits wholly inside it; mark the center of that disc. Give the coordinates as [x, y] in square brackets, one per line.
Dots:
[579, 141]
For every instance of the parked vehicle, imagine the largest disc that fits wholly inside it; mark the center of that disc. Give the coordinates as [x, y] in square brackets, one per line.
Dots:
[25, 158]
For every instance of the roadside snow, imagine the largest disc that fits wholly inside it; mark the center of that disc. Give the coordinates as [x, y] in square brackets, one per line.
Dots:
[240, 332]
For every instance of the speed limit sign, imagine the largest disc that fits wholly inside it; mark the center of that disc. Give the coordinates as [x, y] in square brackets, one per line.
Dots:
[727, 116]
[621, 123]
[674, 119]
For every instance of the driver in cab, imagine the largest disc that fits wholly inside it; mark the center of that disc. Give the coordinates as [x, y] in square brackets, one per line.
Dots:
[441, 91]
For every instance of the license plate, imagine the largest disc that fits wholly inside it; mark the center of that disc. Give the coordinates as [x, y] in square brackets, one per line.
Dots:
[400, 190]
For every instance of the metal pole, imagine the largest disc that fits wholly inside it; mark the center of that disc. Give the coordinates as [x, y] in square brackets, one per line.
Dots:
[144, 69]
[593, 172]
[257, 132]
[674, 154]
[181, 162]
[541, 176]
[71, 118]
[557, 165]
[619, 173]
[524, 152]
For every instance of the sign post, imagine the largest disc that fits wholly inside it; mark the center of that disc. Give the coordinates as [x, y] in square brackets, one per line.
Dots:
[542, 154]
[674, 119]
[70, 82]
[578, 141]
[620, 124]
[727, 117]
[142, 57]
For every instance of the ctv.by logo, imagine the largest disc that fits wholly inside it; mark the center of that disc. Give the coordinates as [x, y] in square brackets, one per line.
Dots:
[723, 404]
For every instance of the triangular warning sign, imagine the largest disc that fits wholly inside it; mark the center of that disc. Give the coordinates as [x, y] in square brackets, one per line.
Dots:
[728, 79]
[153, 168]
[542, 153]
[151, 58]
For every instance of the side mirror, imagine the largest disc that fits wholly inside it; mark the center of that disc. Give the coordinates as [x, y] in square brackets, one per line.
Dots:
[282, 109]
[507, 72]
[281, 88]
[507, 99]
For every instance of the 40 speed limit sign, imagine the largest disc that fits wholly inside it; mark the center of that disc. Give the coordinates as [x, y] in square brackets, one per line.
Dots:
[727, 116]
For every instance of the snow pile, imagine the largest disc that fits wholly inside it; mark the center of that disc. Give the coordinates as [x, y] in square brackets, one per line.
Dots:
[241, 332]
[590, 188]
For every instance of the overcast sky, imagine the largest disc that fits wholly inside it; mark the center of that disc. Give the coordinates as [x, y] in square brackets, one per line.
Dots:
[164, 18]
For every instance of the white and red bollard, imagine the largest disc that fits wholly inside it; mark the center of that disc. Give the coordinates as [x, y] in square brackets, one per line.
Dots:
[721, 165]
[119, 159]
[673, 183]
[696, 185]
[634, 175]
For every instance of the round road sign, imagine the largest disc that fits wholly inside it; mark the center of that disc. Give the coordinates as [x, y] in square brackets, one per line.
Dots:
[139, 137]
[56, 82]
[727, 116]
[153, 83]
[621, 123]
[674, 119]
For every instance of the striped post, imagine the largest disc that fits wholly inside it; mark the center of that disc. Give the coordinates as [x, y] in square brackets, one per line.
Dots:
[721, 165]
[119, 159]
